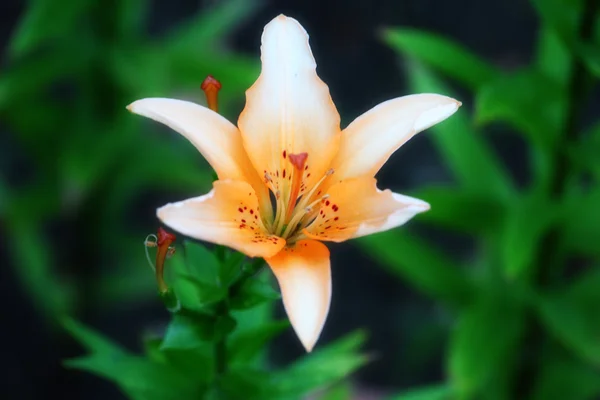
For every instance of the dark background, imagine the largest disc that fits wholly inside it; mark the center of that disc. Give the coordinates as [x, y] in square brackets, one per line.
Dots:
[361, 72]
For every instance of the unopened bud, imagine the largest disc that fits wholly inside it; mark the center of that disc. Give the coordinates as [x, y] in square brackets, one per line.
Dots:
[211, 88]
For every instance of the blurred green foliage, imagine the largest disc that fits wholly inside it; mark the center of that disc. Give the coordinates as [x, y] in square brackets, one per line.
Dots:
[70, 72]
[524, 303]
[215, 345]
[527, 324]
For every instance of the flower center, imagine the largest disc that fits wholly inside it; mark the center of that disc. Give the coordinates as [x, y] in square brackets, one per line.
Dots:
[295, 205]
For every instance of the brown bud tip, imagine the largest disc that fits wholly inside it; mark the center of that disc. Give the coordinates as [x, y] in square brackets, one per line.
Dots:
[165, 237]
[210, 83]
[298, 160]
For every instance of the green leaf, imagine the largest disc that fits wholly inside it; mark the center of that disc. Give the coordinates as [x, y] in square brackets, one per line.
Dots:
[553, 58]
[91, 340]
[245, 383]
[224, 325]
[44, 21]
[573, 318]
[341, 391]
[252, 293]
[131, 16]
[32, 257]
[527, 100]
[231, 267]
[452, 208]
[420, 264]
[480, 349]
[197, 363]
[321, 368]
[561, 15]
[139, 378]
[460, 145]
[201, 263]
[205, 294]
[442, 54]
[246, 346]
[591, 57]
[440, 392]
[210, 25]
[562, 377]
[581, 225]
[30, 78]
[188, 331]
[524, 225]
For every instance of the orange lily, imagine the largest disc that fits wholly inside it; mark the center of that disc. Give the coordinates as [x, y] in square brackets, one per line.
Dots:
[289, 146]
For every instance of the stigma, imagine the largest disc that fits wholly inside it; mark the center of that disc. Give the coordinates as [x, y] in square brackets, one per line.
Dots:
[295, 205]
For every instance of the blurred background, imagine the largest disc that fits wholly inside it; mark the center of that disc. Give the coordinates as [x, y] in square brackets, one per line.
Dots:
[489, 286]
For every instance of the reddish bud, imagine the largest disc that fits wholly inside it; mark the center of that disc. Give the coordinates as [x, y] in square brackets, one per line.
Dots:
[164, 248]
[164, 236]
[211, 88]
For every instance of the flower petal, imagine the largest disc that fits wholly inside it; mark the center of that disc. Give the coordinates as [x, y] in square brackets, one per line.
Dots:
[372, 138]
[227, 215]
[217, 139]
[304, 276]
[288, 109]
[356, 207]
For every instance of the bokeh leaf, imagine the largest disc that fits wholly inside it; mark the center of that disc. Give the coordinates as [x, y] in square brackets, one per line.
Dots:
[252, 293]
[456, 137]
[562, 377]
[440, 392]
[44, 21]
[479, 351]
[526, 100]
[443, 54]
[459, 210]
[325, 366]
[553, 58]
[246, 346]
[581, 225]
[211, 24]
[420, 264]
[522, 232]
[188, 331]
[573, 318]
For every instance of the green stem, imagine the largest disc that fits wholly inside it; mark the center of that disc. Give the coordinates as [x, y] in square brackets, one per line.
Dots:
[221, 344]
[248, 272]
[550, 260]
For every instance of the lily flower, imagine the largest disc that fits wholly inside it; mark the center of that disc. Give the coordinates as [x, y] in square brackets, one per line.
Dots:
[289, 178]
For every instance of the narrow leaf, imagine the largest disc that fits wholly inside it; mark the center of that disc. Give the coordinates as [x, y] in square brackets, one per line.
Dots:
[420, 264]
[440, 53]
[474, 165]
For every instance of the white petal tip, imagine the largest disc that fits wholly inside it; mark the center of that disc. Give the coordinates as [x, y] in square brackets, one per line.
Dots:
[436, 114]
[309, 346]
[136, 107]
